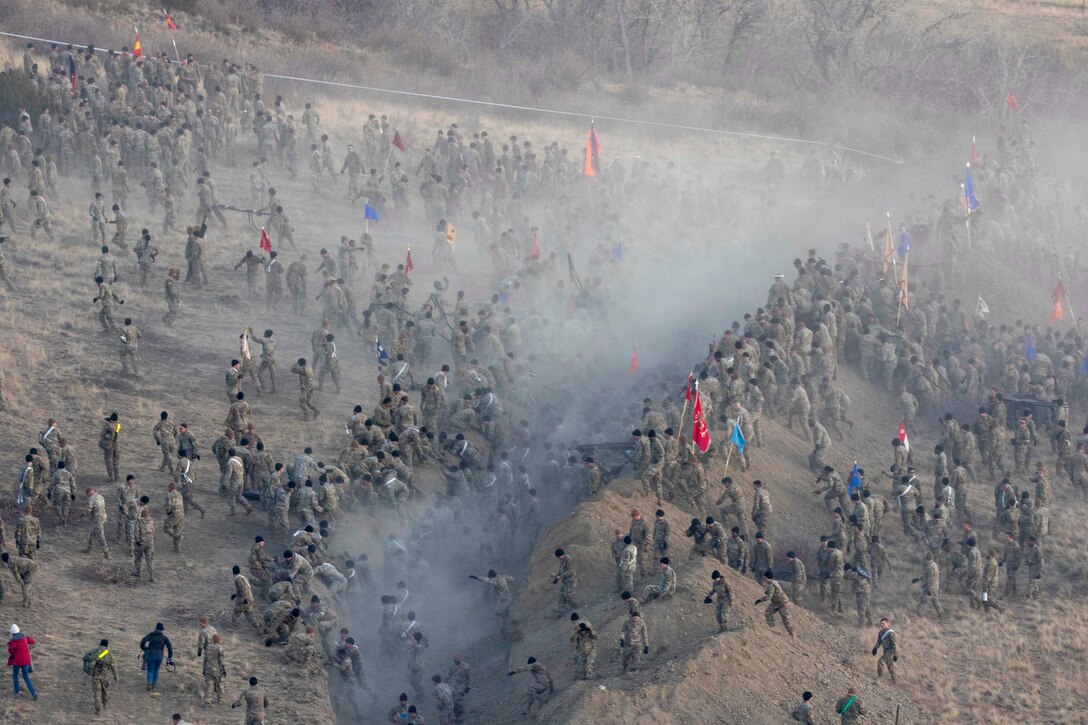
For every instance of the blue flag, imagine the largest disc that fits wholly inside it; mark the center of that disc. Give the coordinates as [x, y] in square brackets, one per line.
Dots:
[370, 213]
[855, 481]
[1085, 365]
[383, 356]
[969, 191]
[737, 438]
[904, 242]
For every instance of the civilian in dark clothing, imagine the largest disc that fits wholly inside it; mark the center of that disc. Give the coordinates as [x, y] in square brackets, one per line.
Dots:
[153, 645]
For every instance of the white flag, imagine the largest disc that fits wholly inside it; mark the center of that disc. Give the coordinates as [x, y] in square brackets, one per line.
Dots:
[982, 309]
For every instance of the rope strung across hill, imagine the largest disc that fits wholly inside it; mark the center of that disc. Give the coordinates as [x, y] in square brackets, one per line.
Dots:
[533, 109]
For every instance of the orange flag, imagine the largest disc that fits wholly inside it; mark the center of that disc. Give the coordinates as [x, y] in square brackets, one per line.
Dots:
[1057, 311]
[137, 49]
[633, 367]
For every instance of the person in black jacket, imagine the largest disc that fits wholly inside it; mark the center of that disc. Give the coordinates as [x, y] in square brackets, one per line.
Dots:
[153, 645]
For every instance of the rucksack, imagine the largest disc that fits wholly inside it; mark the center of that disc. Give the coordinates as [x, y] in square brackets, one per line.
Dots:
[89, 660]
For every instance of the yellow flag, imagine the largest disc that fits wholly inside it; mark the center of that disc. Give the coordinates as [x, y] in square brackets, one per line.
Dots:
[451, 234]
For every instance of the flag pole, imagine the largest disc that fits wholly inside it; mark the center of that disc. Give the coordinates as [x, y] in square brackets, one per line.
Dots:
[967, 212]
[684, 412]
[137, 40]
[869, 235]
[389, 154]
[891, 245]
[902, 289]
[1068, 303]
[366, 219]
[176, 54]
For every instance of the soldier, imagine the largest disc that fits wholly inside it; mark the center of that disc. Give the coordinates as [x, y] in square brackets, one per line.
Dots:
[626, 566]
[144, 542]
[660, 534]
[835, 569]
[330, 363]
[931, 587]
[799, 578]
[1033, 558]
[735, 504]
[762, 556]
[761, 506]
[778, 602]
[736, 549]
[721, 595]
[803, 712]
[256, 702]
[849, 708]
[165, 434]
[863, 591]
[584, 639]
[22, 568]
[567, 579]
[253, 264]
[63, 491]
[634, 642]
[268, 359]
[171, 295]
[503, 600]
[28, 533]
[306, 388]
[666, 585]
[214, 670]
[243, 599]
[539, 689]
[1010, 559]
[886, 641]
[96, 509]
[989, 583]
[175, 516]
[100, 668]
[109, 441]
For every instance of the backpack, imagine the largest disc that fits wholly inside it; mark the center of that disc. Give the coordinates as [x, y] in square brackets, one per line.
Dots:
[89, 661]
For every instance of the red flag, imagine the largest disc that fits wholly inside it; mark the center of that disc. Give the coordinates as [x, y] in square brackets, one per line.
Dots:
[397, 140]
[536, 247]
[1011, 100]
[633, 367]
[593, 153]
[1057, 312]
[72, 73]
[408, 266]
[700, 434]
[266, 243]
[974, 152]
[137, 49]
[691, 384]
[902, 436]
[170, 24]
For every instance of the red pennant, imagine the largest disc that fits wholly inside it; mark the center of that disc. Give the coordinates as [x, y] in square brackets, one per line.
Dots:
[633, 367]
[902, 436]
[397, 140]
[266, 242]
[170, 24]
[691, 384]
[408, 266]
[700, 434]
[1011, 100]
[536, 247]
[1057, 310]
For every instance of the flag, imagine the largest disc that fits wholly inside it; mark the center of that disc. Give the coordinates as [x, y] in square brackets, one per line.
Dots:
[137, 49]
[737, 438]
[902, 436]
[981, 308]
[72, 72]
[1029, 348]
[974, 151]
[1057, 311]
[383, 356]
[369, 213]
[397, 140]
[1011, 100]
[536, 247]
[889, 247]
[266, 243]
[969, 191]
[170, 24]
[904, 241]
[408, 266]
[633, 367]
[700, 434]
[869, 235]
[855, 480]
[593, 152]
[1084, 365]
[690, 387]
[451, 235]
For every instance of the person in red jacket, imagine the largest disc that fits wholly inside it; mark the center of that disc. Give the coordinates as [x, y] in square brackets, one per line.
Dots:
[19, 660]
